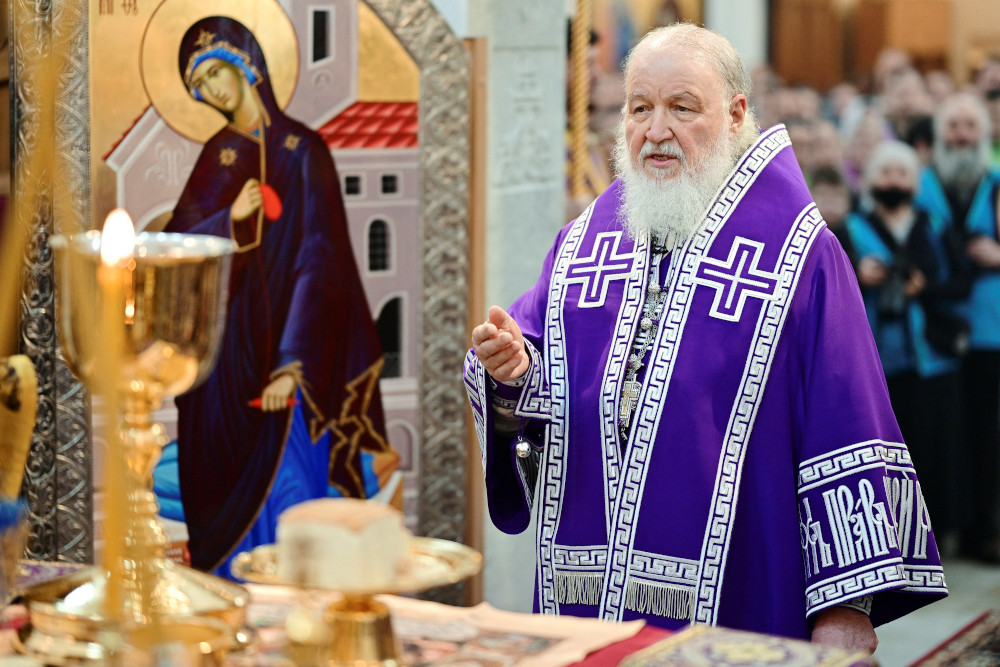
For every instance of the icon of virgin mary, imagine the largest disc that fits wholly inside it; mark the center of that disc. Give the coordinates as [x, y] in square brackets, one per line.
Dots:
[292, 410]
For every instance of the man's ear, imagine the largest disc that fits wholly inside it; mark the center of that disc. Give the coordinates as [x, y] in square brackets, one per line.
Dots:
[738, 111]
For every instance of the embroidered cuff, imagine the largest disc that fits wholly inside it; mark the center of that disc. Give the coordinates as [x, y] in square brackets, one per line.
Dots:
[535, 402]
[507, 394]
[862, 604]
[518, 381]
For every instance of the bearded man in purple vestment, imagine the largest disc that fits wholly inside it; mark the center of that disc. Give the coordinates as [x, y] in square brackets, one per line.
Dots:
[690, 399]
[292, 410]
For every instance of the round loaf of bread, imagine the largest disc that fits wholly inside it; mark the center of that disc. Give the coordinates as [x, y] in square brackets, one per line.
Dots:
[341, 544]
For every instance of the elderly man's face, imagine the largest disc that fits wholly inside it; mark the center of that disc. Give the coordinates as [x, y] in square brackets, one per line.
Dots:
[963, 128]
[675, 102]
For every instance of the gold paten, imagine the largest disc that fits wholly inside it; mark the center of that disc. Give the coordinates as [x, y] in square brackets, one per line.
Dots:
[172, 300]
[358, 628]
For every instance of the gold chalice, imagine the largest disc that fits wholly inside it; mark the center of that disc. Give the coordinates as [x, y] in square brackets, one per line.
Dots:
[160, 314]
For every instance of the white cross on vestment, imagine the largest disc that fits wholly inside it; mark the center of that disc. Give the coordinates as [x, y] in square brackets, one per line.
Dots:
[736, 279]
[596, 272]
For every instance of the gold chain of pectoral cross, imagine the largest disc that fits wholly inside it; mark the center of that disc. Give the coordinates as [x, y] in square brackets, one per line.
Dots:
[652, 310]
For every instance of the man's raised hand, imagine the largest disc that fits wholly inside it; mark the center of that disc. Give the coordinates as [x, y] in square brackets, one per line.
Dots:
[499, 346]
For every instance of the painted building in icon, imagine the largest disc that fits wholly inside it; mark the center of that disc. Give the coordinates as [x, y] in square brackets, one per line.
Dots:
[374, 142]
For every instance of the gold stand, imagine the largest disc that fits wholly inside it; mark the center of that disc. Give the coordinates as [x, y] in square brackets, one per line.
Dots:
[360, 634]
[358, 628]
[165, 311]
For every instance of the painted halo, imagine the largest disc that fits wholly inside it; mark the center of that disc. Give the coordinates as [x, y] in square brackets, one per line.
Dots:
[162, 40]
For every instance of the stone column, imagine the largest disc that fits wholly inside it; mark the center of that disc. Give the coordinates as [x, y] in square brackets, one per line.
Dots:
[744, 23]
[525, 206]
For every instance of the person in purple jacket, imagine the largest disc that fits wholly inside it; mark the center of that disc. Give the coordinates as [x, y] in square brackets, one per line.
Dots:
[689, 399]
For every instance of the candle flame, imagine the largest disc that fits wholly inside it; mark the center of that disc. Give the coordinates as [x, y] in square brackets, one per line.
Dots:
[117, 239]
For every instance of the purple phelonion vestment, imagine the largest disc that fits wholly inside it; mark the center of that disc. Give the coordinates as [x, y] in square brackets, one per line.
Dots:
[763, 478]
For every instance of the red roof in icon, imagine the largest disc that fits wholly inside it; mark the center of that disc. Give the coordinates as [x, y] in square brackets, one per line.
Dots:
[373, 125]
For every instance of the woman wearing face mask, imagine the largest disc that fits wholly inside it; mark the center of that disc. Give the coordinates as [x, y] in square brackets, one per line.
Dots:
[912, 272]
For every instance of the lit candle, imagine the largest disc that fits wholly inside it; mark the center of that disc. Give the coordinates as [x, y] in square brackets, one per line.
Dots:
[117, 239]
[117, 250]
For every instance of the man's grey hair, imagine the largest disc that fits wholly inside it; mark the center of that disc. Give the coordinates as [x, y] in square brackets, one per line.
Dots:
[955, 103]
[891, 153]
[709, 47]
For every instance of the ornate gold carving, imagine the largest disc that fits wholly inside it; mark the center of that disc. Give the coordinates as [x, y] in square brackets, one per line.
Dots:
[58, 483]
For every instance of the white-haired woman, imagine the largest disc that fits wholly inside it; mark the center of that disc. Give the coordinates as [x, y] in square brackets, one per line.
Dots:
[912, 272]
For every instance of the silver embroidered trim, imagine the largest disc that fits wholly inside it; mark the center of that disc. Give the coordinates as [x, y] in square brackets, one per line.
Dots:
[671, 330]
[475, 387]
[872, 579]
[850, 460]
[579, 588]
[553, 457]
[614, 375]
[534, 402]
[666, 601]
[764, 346]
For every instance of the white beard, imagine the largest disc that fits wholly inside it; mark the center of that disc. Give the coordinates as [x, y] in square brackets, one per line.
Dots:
[670, 206]
[961, 168]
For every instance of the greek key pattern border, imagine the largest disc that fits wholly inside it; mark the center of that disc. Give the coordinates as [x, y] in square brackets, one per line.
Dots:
[645, 565]
[614, 374]
[848, 459]
[661, 367]
[927, 578]
[554, 457]
[535, 401]
[878, 577]
[580, 559]
[664, 569]
[741, 421]
[475, 387]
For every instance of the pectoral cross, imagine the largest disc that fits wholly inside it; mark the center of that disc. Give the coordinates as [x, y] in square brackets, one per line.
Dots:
[630, 398]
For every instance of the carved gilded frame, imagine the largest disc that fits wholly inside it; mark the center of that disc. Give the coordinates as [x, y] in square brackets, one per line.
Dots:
[59, 480]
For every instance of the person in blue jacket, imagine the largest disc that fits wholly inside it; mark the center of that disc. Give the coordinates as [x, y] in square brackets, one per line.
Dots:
[913, 274]
[960, 187]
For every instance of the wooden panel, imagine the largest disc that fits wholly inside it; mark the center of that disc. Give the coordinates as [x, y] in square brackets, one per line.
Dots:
[478, 50]
[808, 42]
[920, 27]
[869, 34]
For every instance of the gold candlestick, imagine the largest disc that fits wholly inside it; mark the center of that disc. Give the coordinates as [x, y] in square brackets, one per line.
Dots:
[164, 305]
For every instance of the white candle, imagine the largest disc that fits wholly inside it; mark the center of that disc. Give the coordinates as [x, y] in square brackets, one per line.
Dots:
[117, 249]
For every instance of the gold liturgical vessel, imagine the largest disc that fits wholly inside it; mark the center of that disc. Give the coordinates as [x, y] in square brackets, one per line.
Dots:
[143, 326]
[356, 630]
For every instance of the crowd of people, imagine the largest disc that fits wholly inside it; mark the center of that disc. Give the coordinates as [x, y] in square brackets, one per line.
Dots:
[907, 176]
